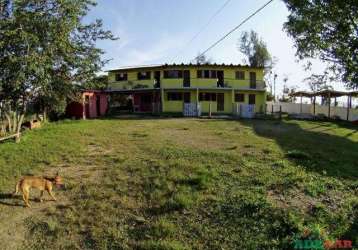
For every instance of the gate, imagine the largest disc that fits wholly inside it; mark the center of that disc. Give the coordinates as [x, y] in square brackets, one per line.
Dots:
[245, 110]
[191, 109]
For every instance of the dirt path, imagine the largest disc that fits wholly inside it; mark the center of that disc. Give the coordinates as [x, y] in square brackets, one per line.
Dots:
[13, 214]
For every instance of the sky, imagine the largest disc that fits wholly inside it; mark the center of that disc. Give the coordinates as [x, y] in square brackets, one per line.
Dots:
[158, 31]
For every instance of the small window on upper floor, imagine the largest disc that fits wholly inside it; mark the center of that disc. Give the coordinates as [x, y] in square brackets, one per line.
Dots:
[252, 77]
[121, 77]
[144, 75]
[239, 98]
[207, 73]
[213, 74]
[240, 75]
[172, 74]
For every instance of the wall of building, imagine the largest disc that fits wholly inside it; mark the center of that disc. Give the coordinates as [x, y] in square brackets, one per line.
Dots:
[229, 101]
[260, 99]
[92, 104]
[177, 105]
[132, 81]
[229, 78]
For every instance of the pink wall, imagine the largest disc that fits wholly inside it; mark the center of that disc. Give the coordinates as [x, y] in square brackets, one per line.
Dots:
[92, 104]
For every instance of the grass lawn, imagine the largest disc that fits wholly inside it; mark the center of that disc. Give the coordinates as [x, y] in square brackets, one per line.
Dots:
[183, 184]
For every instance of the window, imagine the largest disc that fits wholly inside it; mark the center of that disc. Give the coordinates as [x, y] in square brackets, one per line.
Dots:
[213, 74]
[144, 75]
[199, 74]
[175, 96]
[253, 77]
[187, 97]
[121, 77]
[213, 97]
[252, 99]
[253, 80]
[207, 97]
[172, 74]
[207, 73]
[240, 75]
[239, 98]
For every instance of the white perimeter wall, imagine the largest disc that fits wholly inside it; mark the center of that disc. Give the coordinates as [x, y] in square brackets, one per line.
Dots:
[296, 108]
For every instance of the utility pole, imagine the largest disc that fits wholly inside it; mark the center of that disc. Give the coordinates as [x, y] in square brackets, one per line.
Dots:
[274, 87]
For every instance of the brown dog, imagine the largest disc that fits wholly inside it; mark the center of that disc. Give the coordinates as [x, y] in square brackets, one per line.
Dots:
[41, 183]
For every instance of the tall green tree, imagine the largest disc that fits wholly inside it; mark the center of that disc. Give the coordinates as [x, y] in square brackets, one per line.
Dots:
[317, 82]
[328, 30]
[257, 54]
[45, 49]
[255, 49]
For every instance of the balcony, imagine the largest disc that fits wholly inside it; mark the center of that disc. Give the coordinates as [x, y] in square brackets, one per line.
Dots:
[259, 84]
[239, 84]
[245, 84]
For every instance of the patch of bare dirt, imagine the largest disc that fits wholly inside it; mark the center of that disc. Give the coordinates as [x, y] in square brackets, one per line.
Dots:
[297, 199]
[13, 214]
[189, 138]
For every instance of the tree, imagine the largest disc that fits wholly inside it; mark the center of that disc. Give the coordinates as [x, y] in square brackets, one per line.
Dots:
[327, 29]
[317, 82]
[202, 59]
[287, 94]
[45, 50]
[99, 82]
[255, 49]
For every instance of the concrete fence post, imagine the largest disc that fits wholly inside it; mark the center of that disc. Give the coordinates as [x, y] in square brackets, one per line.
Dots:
[280, 114]
[210, 109]
[197, 109]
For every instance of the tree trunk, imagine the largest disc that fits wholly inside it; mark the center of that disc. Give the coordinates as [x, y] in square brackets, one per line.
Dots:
[45, 115]
[9, 124]
[14, 122]
[3, 130]
[18, 129]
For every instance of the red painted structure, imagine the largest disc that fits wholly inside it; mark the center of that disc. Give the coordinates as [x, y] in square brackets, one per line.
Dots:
[146, 101]
[94, 104]
[74, 110]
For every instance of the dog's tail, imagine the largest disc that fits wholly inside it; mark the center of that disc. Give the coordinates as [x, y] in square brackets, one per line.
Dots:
[17, 187]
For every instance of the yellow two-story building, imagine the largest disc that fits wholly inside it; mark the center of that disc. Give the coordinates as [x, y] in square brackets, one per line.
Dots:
[190, 88]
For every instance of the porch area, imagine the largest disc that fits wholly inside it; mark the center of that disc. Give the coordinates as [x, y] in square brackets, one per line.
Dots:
[216, 101]
[135, 101]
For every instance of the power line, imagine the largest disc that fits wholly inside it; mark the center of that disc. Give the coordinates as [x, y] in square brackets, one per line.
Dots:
[204, 27]
[231, 31]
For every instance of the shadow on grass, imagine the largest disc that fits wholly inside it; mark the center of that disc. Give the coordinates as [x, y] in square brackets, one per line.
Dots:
[317, 151]
[5, 197]
[142, 116]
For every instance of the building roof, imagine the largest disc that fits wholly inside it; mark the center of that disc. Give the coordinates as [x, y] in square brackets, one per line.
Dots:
[181, 65]
[325, 93]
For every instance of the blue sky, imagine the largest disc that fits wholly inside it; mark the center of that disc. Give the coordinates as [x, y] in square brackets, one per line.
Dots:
[158, 31]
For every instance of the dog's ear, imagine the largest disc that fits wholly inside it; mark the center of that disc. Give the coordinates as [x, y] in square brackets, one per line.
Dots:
[57, 174]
